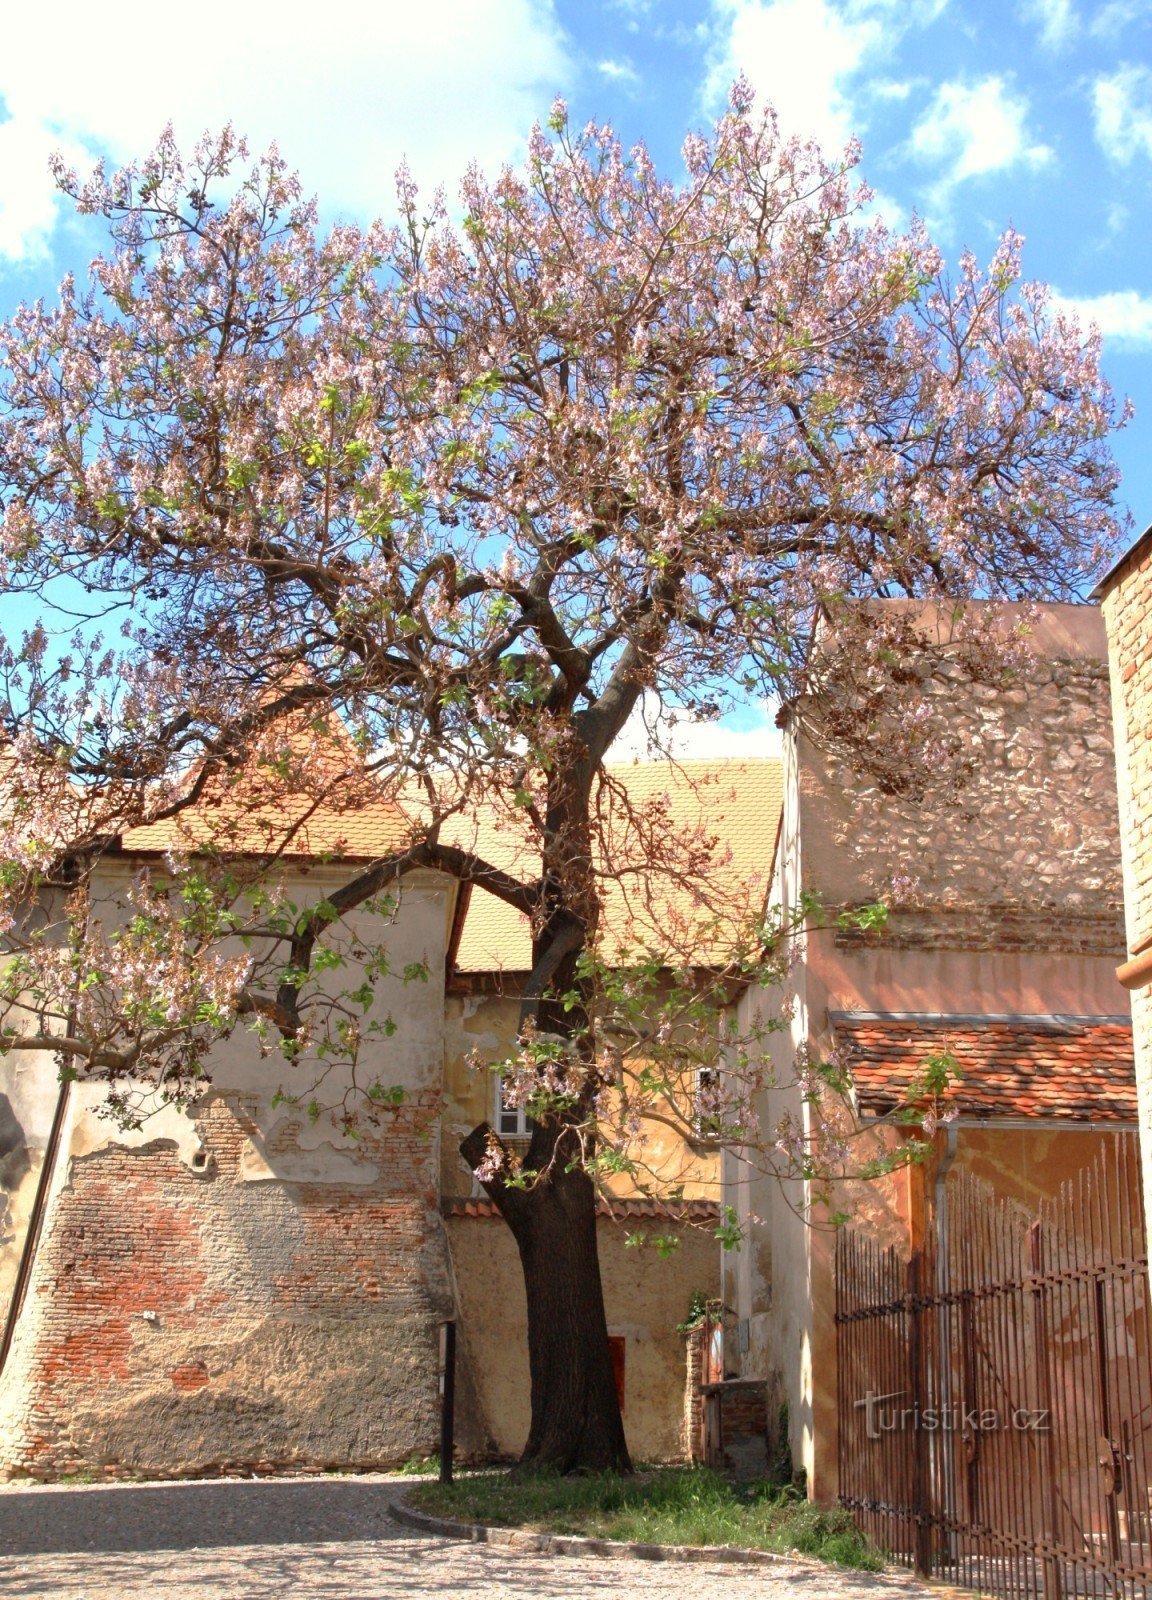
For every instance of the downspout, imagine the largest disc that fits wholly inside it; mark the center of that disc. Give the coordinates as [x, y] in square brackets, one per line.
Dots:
[944, 1351]
[35, 1223]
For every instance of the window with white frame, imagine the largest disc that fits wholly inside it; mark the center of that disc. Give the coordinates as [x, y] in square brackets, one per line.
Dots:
[511, 1121]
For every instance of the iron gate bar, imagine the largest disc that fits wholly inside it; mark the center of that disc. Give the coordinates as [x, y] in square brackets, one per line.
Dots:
[1023, 1318]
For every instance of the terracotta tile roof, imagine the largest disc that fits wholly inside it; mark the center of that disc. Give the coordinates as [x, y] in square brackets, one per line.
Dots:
[620, 1210]
[327, 805]
[1078, 1069]
[734, 806]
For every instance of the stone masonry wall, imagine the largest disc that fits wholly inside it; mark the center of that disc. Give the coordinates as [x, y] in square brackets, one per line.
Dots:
[202, 1316]
[1026, 855]
[1127, 606]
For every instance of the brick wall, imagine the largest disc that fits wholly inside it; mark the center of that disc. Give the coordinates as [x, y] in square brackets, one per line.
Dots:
[185, 1320]
[1127, 607]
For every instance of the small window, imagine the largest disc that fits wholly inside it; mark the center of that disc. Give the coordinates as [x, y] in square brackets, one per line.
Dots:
[511, 1121]
[706, 1118]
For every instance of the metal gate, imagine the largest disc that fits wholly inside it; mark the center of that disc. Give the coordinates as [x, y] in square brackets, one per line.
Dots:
[995, 1395]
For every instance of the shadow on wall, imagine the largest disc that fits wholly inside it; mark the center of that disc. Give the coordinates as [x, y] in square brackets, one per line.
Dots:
[15, 1165]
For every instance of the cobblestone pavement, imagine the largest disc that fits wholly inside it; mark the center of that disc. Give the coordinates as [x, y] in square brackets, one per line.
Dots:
[330, 1539]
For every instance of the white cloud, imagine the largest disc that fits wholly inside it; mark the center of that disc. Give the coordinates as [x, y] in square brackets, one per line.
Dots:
[1122, 111]
[618, 71]
[1124, 316]
[800, 55]
[750, 733]
[1057, 20]
[28, 211]
[812, 59]
[972, 130]
[346, 95]
[1111, 20]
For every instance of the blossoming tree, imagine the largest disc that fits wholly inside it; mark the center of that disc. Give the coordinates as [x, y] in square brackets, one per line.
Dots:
[475, 483]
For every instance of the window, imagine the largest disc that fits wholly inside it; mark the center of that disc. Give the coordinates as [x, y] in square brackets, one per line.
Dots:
[511, 1121]
[707, 1118]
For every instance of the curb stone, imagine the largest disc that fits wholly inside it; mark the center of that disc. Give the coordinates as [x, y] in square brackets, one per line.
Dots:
[573, 1544]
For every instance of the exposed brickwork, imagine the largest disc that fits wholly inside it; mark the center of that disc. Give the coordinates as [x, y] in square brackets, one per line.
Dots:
[741, 1444]
[1008, 929]
[181, 1323]
[694, 1346]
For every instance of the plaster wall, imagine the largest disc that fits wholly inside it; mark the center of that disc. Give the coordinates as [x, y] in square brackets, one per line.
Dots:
[1127, 609]
[485, 1020]
[28, 1096]
[238, 1285]
[645, 1296]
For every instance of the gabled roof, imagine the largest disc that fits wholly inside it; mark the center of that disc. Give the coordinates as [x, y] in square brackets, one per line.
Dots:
[303, 793]
[730, 810]
[1070, 1068]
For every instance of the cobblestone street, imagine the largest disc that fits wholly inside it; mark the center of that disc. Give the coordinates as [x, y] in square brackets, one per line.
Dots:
[329, 1539]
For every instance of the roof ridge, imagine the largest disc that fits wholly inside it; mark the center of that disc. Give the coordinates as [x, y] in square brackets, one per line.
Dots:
[1052, 1019]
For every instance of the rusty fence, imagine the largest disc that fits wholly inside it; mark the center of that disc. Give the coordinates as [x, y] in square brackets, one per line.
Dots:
[995, 1392]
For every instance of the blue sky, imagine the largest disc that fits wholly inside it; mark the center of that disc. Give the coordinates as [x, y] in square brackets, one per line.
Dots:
[975, 113]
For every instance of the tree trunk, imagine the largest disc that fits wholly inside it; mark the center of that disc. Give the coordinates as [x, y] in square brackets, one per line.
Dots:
[576, 1422]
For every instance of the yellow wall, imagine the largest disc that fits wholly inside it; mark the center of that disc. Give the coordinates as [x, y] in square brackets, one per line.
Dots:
[645, 1297]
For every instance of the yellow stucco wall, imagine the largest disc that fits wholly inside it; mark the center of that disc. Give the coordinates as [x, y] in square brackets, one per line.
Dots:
[645, 1296]
[485, 1021]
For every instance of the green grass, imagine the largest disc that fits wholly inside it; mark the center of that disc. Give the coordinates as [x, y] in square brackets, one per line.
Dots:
[670, 1505]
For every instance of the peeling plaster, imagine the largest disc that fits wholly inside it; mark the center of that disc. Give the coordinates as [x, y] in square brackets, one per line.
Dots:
[323, 1164]
[169, 1124]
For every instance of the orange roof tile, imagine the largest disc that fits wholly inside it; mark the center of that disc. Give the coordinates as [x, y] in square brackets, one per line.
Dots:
[727, 811]
[304, 792]
[1078, 1069]
[618, 1210]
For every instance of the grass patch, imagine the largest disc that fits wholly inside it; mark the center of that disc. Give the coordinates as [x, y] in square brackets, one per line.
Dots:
[672, 1505]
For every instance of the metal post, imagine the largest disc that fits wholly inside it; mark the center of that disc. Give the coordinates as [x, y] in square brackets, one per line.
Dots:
[1053, 1585]
[921, 1497]
[447, 1398]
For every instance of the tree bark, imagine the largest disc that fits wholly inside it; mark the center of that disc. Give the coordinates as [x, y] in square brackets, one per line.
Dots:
[576, 1421]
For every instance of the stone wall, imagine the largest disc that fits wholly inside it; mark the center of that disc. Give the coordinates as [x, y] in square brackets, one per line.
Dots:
[1025, 856]
[1127, 607]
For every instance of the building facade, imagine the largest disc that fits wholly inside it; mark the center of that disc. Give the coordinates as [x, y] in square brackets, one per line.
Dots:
[1125, 596]
[245, 1285]
[1000, 949]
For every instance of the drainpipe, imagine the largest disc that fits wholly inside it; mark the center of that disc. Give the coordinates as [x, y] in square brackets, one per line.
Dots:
[944, 1352]
[35, 1224]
